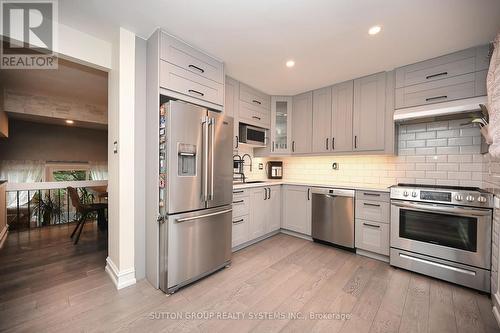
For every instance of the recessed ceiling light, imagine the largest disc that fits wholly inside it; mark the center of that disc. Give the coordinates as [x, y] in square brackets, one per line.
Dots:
[290, 63]
[374, 30]
[69, 121]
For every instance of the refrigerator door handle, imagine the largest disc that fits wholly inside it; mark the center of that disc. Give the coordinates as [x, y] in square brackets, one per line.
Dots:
[205, 158]
[191, 218]
[212, 154]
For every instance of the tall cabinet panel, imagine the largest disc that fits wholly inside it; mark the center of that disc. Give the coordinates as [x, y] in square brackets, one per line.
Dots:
[322, 118]
[342, 108]
[231, 102]
[302, 123]
[369, 112]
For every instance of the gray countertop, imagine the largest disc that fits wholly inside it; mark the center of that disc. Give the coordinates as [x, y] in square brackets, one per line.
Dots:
[350, 186]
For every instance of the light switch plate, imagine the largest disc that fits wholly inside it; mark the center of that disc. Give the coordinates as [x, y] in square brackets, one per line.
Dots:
[261, 166]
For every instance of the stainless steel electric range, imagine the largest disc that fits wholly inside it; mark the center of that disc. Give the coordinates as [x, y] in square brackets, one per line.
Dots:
[444, 232]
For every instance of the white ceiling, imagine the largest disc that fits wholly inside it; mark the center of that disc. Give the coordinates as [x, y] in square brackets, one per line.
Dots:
[327, 38]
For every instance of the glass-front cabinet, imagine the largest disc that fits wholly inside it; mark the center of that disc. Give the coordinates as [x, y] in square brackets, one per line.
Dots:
[281, 125]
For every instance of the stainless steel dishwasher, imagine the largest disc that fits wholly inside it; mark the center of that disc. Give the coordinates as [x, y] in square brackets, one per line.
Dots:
[333, 216]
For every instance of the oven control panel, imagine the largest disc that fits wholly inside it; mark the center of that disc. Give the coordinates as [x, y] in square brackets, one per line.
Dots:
[454, 197]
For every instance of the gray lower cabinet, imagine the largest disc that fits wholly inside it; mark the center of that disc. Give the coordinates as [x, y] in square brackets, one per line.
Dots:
[372, 222]
[369, 112]
[297, 209]
[302, 123]
[256, 212]
[342, 109]
[372, 236]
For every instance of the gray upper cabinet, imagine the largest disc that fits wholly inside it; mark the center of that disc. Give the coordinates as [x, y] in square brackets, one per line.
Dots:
[454, 64]
[254, 107]
[450, 77]
[231, 103]
[322, 119]
[302, 123]
[369, 112]
[342, 109]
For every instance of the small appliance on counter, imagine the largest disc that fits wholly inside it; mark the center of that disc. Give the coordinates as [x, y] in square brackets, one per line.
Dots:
[274, 169]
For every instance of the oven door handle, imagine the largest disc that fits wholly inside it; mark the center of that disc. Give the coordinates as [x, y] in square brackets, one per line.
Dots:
[442, 209]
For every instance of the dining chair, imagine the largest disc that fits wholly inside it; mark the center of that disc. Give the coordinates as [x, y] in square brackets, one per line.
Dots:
[84, 210]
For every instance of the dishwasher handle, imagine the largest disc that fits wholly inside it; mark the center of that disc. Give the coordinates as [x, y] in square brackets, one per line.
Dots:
[333, 192]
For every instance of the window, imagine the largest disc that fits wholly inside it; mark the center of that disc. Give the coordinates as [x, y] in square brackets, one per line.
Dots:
[66, 172]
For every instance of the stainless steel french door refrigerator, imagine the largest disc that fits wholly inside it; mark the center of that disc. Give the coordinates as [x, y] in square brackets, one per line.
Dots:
[195, 197]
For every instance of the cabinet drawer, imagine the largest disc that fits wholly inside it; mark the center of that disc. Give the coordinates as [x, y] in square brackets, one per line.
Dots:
[241, 231]
[372, 196]
[254, 115]
[373, 210]
[241, 205]
[240, 193]
[458, 87]
[455, 64]
[372, 236]
[180, 54]
[183, 81]
[255, 97]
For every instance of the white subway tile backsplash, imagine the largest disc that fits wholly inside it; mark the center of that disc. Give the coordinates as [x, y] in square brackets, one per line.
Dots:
[425, 151]
[415, 143]
[437, 125]
[447, 167]
[442, 153]
[447, 150]
[448, 134]
[437, 143]
[464, 141]
[425, 135]
[416, 128]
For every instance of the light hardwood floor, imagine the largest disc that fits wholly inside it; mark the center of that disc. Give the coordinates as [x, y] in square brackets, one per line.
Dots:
[280, 275]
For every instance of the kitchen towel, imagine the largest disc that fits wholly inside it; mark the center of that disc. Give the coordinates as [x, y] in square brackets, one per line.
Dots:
[493, 89]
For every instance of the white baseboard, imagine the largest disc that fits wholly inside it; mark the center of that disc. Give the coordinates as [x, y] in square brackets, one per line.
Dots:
[121, 279]
[3, 235]
[496, 304]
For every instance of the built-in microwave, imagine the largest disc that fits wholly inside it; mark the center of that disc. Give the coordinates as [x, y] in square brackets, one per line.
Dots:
[252, 135]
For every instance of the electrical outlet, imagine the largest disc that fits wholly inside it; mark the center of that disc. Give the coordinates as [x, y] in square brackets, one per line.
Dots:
[261, 166]
[335, 166]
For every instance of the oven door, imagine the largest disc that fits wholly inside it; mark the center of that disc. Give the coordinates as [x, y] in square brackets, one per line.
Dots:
[454, 233]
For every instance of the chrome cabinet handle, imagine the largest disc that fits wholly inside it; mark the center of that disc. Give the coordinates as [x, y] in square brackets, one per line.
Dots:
[269, 193]
[212, 151]
[308, 194]
[237, 142]
[326, 143]
[372, 194]
[355, 141]
[238, 221]
[435, 75]
[191, 218]
[435, 208]
[255, 117]
[265, 193]
[191, 91]
[293, 146]
[436, 98]
[205, 157]
[239, 201]
[370, 204]
[371, 225]
[235, 192]
[197, 68]
[333, 143]
[272, 147]
[256, 102]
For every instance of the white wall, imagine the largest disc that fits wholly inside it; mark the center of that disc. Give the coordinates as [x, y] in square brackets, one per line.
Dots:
[121, 164]
[140, 158]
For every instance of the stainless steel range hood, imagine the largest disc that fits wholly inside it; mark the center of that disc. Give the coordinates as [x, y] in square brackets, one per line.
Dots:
[453, 109]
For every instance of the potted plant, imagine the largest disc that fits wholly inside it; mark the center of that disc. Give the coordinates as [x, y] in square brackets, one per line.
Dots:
[46, 208]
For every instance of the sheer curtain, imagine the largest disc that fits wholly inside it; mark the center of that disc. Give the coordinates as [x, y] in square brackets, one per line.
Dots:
[493, 87]
[21, 172]
[98, 170]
